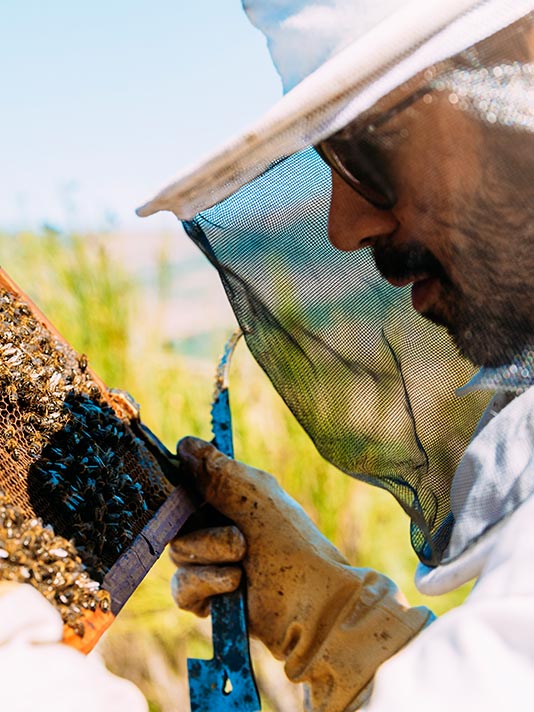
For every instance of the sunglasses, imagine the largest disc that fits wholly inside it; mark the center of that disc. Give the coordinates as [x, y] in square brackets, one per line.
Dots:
[358, 160]
[354, 163]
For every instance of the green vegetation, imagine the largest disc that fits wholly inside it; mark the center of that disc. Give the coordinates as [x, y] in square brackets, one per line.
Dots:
[102, 310]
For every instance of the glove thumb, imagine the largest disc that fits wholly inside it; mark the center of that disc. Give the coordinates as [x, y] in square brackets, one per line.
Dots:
[252, 499]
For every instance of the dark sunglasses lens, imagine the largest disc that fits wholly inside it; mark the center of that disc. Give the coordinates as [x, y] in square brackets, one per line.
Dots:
[360, 169]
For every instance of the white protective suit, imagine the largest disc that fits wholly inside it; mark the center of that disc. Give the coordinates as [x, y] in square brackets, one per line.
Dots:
[479, 656]
[41, 673]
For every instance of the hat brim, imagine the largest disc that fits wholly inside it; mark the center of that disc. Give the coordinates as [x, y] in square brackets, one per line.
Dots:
[413, 38]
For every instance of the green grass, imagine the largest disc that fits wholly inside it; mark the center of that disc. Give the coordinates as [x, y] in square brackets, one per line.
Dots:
[99, 307]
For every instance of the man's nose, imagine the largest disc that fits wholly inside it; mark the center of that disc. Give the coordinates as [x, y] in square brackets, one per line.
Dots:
[354, 223]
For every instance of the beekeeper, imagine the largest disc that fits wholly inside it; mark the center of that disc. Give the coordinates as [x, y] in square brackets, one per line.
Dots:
[374, 234]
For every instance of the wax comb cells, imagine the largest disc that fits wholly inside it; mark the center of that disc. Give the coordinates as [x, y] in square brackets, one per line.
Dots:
[67, 451]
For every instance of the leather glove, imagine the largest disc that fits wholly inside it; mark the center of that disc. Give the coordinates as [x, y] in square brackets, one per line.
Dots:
[332, 624]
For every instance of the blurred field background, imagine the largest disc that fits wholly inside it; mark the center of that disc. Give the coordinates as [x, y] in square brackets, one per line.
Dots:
[116, 301]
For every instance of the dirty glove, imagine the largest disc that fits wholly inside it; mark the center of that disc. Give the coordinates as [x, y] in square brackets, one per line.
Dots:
[332, 624]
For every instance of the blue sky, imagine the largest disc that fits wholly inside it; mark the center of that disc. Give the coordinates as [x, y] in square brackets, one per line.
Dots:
[103, 102]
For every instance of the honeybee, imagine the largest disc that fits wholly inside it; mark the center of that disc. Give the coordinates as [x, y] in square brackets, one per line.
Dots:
[11, 391]
[45, 345]
[12, 449]
[36, 445]
[9, 433]
[24, 310]
[26, 395]
[30, 421]
[104, 600]
[55, 360]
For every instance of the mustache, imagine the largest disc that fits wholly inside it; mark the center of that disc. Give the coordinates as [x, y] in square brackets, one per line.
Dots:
[406, 262]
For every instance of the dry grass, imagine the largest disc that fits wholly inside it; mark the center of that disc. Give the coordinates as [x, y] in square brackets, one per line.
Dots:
[98, 306]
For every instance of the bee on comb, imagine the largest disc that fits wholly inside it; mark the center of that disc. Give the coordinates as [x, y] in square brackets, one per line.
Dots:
[73, 455]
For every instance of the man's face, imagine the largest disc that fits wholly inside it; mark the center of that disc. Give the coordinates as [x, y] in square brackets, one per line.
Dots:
[461, 230]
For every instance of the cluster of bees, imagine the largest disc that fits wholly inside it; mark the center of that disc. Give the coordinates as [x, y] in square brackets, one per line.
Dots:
[37, 370]
[65, 455]
[85, 471]
[31, 553]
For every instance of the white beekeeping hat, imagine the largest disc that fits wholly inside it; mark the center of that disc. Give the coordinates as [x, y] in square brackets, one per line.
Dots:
[302, 36]
[337, 58]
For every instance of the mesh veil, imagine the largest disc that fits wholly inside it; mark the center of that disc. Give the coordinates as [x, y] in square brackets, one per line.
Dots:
[371, 381]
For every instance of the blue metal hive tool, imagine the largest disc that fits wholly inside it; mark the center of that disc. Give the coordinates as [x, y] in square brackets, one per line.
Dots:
[226, 682]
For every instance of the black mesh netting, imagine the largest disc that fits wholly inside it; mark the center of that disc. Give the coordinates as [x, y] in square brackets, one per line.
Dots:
[371, 381]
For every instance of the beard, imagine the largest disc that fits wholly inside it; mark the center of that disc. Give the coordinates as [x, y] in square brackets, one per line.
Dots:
[485, 293]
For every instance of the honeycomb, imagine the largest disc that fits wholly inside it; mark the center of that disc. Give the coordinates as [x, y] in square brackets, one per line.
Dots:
[32, 553]
[69, 452]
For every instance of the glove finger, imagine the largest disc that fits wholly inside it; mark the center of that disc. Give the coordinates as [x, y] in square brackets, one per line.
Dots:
[252, 499]
[216, 545]
[193, 586]
[234, 489]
